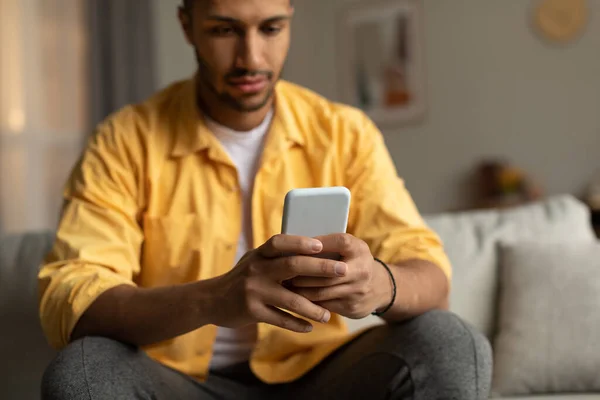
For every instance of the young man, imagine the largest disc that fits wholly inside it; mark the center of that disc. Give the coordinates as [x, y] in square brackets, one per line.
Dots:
[166, 278]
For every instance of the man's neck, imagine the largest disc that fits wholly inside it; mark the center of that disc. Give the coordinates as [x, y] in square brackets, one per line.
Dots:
[226, 116]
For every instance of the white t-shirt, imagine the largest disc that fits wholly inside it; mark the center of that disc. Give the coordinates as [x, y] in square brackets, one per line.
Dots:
[234, 346]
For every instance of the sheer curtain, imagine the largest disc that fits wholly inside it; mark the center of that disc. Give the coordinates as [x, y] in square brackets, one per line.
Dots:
[64, 66]
[43, 107]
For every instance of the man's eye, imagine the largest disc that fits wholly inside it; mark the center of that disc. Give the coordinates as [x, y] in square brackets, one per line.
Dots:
[271, 30]
[222, 31]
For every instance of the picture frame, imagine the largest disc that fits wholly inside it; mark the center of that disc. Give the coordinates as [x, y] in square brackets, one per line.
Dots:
[381, 60]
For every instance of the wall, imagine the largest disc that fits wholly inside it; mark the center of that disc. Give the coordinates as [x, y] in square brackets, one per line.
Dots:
[174, 56]
[494, 89]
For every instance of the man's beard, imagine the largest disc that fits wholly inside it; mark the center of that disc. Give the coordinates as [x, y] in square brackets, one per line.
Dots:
[207, 79]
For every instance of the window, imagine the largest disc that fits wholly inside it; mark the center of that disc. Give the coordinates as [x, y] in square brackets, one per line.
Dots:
[43, 107]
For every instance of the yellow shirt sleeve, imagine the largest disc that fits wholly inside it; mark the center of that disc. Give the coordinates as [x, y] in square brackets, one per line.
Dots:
[383, 212]
[99, 237]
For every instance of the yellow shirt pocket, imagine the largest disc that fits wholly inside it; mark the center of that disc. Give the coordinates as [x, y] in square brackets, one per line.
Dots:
[172, 250]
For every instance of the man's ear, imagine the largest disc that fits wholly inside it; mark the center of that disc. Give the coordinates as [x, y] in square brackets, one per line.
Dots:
[185, 21]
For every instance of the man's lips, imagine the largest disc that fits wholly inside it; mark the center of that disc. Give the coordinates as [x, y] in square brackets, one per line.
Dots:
[249, 84]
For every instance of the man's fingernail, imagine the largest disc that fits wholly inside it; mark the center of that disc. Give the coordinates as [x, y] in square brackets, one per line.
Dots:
[340, 269]
[317, 246]
[326, 317]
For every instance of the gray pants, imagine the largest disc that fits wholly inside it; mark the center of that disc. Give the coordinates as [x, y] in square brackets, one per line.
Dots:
[434, 356]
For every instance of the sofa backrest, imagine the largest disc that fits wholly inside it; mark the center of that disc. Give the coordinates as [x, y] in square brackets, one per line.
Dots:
[471, 241]
[23, 348]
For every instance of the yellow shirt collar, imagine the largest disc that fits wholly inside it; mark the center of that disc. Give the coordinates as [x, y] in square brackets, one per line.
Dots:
[192, 134]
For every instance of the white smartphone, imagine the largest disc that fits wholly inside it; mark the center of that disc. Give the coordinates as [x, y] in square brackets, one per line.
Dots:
[316, 211]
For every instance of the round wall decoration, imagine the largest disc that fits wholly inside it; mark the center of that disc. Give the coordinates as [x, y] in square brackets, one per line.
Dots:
[561, 20]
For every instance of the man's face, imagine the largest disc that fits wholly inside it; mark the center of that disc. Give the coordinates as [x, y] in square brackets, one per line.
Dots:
[241, 47]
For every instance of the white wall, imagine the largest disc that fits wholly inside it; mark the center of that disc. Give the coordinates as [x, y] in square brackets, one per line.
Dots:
[174, 56]
[494, 89]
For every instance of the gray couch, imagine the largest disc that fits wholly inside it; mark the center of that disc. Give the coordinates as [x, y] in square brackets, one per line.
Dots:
[471, 240]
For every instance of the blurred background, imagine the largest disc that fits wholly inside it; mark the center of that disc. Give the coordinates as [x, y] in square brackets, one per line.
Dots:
[483, 104]
[64, 66]
[495, 103]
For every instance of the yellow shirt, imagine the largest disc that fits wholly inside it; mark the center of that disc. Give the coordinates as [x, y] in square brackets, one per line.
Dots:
[154, 201]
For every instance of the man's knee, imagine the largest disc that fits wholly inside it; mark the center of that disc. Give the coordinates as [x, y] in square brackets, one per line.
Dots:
[79, 366]
[453, 356]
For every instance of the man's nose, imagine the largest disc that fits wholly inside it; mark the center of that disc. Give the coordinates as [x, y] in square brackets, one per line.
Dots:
[249, 52]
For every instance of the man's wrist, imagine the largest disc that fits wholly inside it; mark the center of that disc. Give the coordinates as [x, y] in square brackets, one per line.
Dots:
[202, 295]
[383, 286]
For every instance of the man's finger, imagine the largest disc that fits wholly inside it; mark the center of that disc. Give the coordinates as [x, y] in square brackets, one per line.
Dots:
[322, 294]
[282, 319]
[285, 268]
[334, 306]
[287, 300]
[341, 243]
[312, 282]
[345, 308]
[281, 245]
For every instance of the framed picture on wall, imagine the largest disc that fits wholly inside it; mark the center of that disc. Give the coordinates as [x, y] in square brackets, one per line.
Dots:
[381, 60]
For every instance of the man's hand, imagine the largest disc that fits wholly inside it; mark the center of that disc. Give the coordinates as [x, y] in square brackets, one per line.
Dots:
[253, 292]
[365, 288]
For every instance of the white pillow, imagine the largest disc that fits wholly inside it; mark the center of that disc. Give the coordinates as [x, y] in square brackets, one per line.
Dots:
[471, 242]
[548, 337]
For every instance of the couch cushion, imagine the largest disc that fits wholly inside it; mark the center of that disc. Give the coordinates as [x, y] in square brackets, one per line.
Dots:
[549, 326]
[25, 352]
[471, 240]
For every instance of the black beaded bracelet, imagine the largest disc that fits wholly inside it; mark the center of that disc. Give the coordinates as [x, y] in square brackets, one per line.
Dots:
[394, 289]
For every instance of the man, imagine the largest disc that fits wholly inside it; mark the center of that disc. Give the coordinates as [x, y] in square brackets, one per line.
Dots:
[167, 279]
